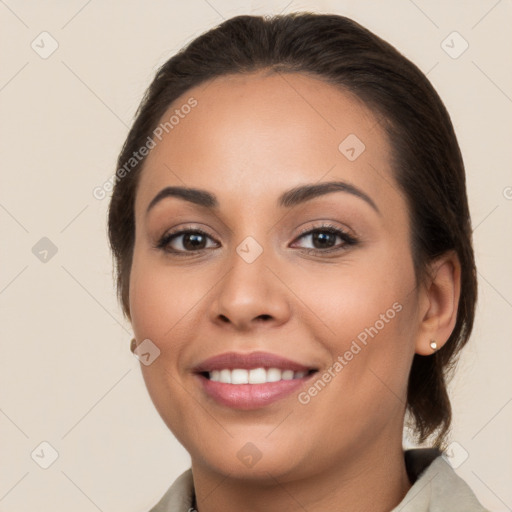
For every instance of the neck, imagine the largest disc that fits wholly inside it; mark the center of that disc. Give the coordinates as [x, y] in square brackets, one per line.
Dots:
[375, 481]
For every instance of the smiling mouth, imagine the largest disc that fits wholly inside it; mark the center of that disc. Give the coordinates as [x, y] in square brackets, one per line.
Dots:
[252, 380]
[260, 375]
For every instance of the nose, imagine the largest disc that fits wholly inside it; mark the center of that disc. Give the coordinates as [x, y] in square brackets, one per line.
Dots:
[250, 295]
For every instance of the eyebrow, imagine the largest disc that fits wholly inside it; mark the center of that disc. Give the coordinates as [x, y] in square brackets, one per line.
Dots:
[288, 199]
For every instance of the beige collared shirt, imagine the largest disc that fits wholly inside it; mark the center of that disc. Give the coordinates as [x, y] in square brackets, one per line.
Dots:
[436, 488]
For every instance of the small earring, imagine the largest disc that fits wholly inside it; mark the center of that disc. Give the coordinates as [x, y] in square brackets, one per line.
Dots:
[433, 345]
[133, 345]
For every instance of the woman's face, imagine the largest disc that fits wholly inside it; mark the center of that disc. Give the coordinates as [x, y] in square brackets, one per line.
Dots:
[266, 276]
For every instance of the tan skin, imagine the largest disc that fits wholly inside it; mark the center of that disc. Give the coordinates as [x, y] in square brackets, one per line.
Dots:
[249, 139]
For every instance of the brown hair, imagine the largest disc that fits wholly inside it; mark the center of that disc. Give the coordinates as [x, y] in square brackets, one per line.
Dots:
[426, 156]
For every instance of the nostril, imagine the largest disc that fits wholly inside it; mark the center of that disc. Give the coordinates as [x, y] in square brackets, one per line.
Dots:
[264, 317]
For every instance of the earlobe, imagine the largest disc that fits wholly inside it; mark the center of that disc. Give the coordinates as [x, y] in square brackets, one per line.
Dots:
[442, 293]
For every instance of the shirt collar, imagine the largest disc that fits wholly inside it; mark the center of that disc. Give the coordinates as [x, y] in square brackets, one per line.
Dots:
[435, 486]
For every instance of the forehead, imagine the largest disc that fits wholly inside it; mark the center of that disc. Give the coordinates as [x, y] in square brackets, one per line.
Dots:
[258, 132]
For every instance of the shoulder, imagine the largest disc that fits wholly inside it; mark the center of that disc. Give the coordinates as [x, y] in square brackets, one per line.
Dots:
[179, 496]
[436, 486]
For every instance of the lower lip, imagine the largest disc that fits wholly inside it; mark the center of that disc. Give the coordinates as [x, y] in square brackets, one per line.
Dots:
[250, 396]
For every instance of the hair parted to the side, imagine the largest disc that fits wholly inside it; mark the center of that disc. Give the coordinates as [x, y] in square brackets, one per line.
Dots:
[426, 158]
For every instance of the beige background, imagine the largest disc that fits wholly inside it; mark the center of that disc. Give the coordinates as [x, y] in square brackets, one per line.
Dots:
[67, 376]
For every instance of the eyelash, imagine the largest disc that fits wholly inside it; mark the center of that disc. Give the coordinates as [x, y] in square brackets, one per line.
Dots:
[348, 240]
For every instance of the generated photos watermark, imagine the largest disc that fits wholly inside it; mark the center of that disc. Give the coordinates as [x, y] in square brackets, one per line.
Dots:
[100, 192]
[357, 345]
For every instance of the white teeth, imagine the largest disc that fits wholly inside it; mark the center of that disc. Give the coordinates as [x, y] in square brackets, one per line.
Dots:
[239, 376]
[273, 374]
[254, 376]
[225, 376]
[287, 375]
[257, 376]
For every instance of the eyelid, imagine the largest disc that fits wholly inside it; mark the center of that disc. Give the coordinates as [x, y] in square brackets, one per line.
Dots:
[323, 225]
[166, 238]
[348, 239]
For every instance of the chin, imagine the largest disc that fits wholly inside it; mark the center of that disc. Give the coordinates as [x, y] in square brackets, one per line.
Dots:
[258, 459]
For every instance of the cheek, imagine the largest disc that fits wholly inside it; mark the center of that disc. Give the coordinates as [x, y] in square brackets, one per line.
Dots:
[356, 296]
[161, 298]
[366, 318]
[162, 303]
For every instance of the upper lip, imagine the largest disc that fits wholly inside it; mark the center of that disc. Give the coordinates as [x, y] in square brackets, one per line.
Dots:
[232, 360]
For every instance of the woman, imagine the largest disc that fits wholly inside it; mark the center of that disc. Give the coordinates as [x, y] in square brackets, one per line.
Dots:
[293, 249]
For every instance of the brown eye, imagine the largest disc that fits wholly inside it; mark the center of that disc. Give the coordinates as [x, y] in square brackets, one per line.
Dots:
[323, 239]
[184, 241]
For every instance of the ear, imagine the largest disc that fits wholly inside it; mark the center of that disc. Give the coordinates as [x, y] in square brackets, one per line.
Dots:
[439, 301]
